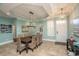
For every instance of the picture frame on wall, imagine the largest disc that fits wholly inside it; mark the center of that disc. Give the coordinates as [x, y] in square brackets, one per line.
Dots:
[0, 27]
[5, 28]
[25, 29]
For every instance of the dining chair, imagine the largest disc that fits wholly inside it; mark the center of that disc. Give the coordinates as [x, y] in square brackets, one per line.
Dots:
[20, 46]
[32, 45]
[38, 39]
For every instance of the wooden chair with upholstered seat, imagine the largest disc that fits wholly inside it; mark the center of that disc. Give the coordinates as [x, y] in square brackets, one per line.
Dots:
[38, 39]
[41, 38]
[32, 45]
[20, 46]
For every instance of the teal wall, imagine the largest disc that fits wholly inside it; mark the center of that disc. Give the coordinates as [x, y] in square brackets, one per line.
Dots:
[19, 24]
[6, 36]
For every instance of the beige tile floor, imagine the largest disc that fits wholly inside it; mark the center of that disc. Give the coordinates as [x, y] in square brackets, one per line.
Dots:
[46, 49]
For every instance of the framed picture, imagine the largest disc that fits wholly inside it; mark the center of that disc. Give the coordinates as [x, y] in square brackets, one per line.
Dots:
[5, 28]
[0, 27]
[25, 29]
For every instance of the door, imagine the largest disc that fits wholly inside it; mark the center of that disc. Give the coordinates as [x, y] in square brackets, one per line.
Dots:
[14, 30]
[61, 30]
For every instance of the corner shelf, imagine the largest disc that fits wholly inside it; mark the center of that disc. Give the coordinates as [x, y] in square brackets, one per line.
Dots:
[31, 26]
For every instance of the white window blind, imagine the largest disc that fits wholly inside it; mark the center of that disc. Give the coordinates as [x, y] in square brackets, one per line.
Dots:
[50, 28]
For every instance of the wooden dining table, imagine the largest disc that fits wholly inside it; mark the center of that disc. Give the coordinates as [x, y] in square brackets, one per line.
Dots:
[26, 38]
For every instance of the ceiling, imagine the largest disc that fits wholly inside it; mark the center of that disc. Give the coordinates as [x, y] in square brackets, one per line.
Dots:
[36, 10]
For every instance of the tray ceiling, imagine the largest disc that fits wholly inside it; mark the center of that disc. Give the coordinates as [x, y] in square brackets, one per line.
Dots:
[35, 10]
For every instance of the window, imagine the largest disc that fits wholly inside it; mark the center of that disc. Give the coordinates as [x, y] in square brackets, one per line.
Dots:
[60, 21]
[76, 21]
[50, 28]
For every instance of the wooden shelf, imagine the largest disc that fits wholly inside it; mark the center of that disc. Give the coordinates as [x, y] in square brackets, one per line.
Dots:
[31, 26]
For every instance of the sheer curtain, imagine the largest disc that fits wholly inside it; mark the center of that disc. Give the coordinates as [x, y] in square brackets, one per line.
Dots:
[50, 28]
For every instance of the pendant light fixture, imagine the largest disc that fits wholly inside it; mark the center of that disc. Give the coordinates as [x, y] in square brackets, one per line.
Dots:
[62, 14]
[31, 22]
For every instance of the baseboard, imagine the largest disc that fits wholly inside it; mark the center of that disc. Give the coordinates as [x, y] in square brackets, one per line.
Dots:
[49, 40]
[61, 43]
[6, 42]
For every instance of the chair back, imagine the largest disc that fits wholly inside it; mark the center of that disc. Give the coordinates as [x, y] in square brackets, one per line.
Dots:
[18, 43]
[32, 45]
[33, 39]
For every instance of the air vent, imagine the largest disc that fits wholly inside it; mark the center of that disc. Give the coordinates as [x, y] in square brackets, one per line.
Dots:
[31, 12]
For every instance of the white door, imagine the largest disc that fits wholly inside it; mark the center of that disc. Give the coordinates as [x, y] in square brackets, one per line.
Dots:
[61, 30]
[14, 30]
